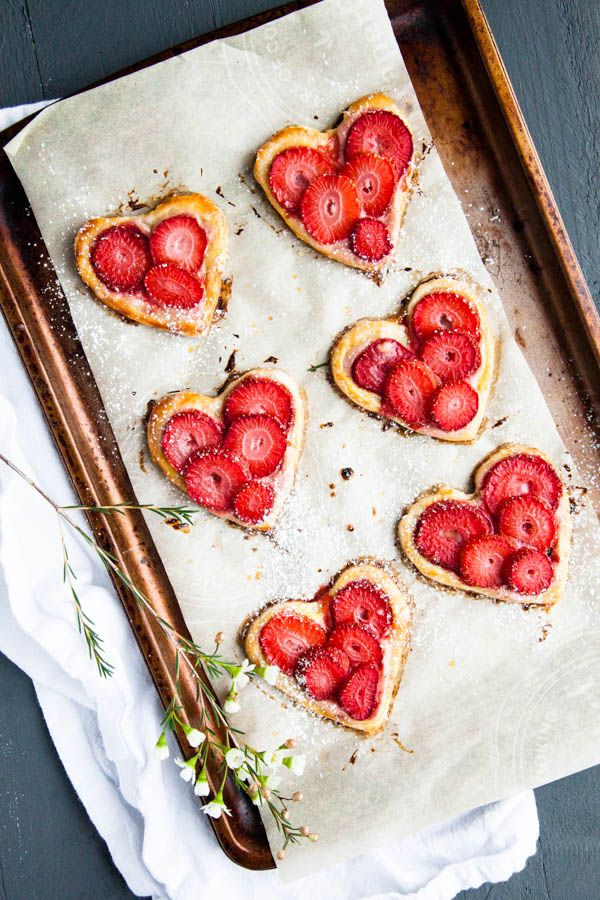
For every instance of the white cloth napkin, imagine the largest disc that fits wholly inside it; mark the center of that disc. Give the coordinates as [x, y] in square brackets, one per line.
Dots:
[105, 730]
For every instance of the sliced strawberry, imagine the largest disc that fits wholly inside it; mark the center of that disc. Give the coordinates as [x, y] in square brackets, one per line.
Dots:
[521, 474]
[452, 355]
[288, 636]
[254, 502]
[168, 285]
[444, 527]
[371, 367]
[179, 240]
[293, 170]
[121, 257]
[443, 311]
[482, 560]
[370, 240]
[529, 571]
[329, 208]
[382, 132]
[259, 396]
[213, 479]
[188, 433]
[358, 698]
[358, 645]
[454, 405]
[363, 603]
[259, 440]
[322, 671]
[375, 181]
[409, 390]
[527, 519]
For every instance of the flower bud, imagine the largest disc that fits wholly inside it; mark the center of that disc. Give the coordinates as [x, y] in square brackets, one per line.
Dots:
[219, 637]
[313, 837]
[281, 854]
[290, 743]
[305, 831]
[297, 796]
[266, 793]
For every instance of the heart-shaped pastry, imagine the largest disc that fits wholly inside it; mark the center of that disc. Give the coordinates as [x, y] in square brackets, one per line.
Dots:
[344, 191]
[508, 540]
[160, 268]
[235, 454]
[341, 654]
[430, 368]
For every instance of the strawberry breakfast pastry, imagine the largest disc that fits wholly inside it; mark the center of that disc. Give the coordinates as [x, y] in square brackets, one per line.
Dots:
[509, 540]
[161, 268]
[235, 454]
[341, 654]
[344, 191]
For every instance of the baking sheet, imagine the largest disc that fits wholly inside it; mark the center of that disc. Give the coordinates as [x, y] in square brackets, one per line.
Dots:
[486, 707]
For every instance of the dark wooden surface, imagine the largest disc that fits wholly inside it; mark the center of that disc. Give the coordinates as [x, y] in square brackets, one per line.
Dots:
[48, 847]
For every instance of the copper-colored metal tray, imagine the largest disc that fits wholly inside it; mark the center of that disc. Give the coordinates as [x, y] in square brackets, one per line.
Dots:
[484, 144]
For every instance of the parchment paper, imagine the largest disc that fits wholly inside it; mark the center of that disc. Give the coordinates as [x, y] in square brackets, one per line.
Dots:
[485, 708]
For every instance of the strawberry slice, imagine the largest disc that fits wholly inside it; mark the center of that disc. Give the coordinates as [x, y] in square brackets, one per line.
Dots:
[358, 645]
[528, 519]
[363, 603]
[482, 560]
[454, 405]
[375, 181]
[293, 170]
[259, 396]
[370, 240]
[444, 527]
[329, 208]
[120, 257]
[443, 311]
[188, 433]
[168, 285]
[179, 240]
[452, 355]
[288, 636]
[409, 390]
[529, 571]
[322, 671]
[358, 698]
[383, 133]
[371, 367]
[213, 478]
[254, 502]
[259, 441]
[521, 474]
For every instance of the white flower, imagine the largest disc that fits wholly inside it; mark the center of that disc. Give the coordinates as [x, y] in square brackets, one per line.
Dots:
[269, 673]
[240, 674]
[231, 704]
[272, 758]
[216, 807]
[202, 788]
[272, 781]
[235, 758]
[161, 747]
[296, 763]
[194, 737]
[188, 767]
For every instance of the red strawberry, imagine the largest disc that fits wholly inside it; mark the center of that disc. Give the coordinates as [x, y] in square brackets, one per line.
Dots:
[444, 527]
[529, 520]
[442, 311]
[293, 170]
[371, 367]
[363, 603]
[358, 698]
[259, 440]
[121, 257]
[188, 433]
[329, 208]
[452, 355]
[259, 396]
[254, 502]
[409, 390]
[370, 240]
[529, 571]
[454, 405]
[381, 132]
[521, 474]
[168, 285]
[213, 479]
[482, 560]
[375, 181]
[358, 645]
[181, 241]
[322, 671]
[288, 636]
